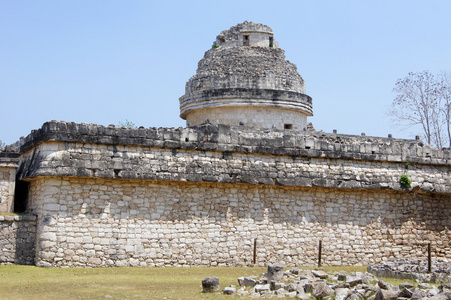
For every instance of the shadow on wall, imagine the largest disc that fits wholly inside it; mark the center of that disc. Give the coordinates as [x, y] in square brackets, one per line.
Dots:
[25, 226]
[25, 241]
[18, 236]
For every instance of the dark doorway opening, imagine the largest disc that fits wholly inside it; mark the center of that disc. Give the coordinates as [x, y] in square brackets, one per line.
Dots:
[245, 40]
[21, 196]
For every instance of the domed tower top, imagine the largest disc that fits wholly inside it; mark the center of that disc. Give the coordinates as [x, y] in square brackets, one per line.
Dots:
[245, 79]
[247, 34]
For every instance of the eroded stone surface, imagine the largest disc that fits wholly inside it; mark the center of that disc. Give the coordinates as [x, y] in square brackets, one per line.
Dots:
[246, 79]
[310, 287]
[199, 196]
[158, 223]
[210, 284]
[8, 165]
[275, 272]
[17, 239]
[414, 268]
[218, 153]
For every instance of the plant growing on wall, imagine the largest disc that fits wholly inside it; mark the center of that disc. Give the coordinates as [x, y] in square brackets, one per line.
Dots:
[405, 181]
[215, 45]
[127, 124]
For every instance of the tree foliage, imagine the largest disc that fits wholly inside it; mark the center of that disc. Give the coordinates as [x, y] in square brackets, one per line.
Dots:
[423, 99]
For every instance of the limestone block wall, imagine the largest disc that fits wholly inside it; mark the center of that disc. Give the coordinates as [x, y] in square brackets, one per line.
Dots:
[237, 81]
[256, 39]
[8, 165]
[217, 153]
[250, 116]
[108, 196]
[134, 162]
[18, 237]
[259, 35]
[224, 106]
[116, 222]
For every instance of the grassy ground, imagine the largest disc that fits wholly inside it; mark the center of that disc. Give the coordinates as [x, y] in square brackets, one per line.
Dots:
[28, 282]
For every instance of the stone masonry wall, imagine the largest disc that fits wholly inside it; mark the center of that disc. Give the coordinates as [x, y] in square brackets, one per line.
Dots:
[250, 116]
[133, 162]
[115, 222]
[217, 153]
[234, 36]
[250, 62]
[8, 165]
[108, 196]
[17, 242]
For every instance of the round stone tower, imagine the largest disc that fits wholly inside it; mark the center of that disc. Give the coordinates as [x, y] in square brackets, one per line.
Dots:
[245, 80]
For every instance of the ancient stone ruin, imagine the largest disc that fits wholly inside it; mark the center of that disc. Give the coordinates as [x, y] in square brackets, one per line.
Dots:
[246, 80]
[317, 284]
[417, 269]
[248, 167]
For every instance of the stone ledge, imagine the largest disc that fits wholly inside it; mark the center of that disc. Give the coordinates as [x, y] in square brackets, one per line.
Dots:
[9, 159]
[12, 218]
[233, 97]
[223, 138]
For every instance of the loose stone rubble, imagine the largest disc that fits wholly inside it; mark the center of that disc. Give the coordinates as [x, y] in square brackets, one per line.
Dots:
[317, 284]
[413, 268]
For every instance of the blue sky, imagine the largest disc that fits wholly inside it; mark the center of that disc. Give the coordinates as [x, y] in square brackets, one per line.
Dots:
[107, 61]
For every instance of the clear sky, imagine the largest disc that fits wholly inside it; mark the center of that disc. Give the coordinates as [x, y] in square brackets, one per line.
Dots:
[107, 61]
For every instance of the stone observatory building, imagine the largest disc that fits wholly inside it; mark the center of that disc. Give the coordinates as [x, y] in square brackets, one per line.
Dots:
[245, 79]
[246, 171]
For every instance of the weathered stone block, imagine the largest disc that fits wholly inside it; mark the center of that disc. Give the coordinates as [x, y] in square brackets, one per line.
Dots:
[210, 284]
[275, 273]
[322, 290]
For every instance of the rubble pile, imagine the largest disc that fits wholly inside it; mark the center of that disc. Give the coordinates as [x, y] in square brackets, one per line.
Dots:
[416, 269]
[318, 284]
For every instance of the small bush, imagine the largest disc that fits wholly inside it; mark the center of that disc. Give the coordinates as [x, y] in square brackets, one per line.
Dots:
[405, 181]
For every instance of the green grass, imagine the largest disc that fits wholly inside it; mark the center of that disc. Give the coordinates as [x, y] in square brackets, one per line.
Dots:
[29, 282]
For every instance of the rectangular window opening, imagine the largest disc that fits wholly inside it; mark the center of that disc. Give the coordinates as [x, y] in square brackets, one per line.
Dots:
[245, 40]
[288, 126]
